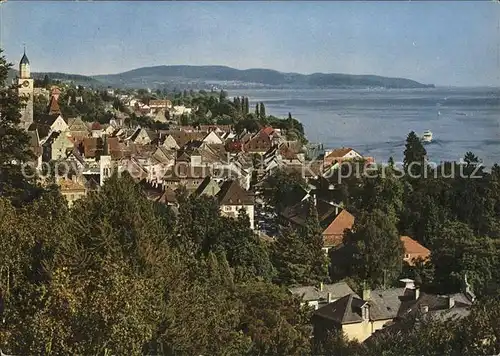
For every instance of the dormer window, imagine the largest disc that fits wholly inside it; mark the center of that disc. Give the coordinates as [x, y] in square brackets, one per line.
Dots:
[364, 312]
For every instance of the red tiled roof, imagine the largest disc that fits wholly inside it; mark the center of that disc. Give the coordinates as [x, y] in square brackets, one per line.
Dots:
[414, 249]
[54, 106]
[96, 126]
[267, 130]
[340, 152]
[334, 233]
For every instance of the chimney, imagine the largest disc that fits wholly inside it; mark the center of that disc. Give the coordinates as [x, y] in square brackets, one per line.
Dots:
[409, 283]
[329, 297]
[366, 294]
[451, 302]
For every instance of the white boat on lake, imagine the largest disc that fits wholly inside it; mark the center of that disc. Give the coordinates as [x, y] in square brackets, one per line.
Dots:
[427, 136]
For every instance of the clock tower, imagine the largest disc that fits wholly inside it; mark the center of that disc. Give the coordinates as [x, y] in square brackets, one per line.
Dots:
[25, 91]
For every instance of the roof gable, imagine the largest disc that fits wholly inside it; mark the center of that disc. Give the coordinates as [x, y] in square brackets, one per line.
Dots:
[231, 193]
[207, 187]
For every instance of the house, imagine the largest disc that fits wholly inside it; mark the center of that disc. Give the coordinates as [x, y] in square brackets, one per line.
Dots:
[96, 129]
[212, 138]
[48, 123]
[232, 198]
[158, 104]
[159, 162]
[333, 219]
[55, 146]
[261, 142]
[413, 251]
[185, 175]
[170, 143]
[71, 190]
[53, 108]
[180, 110]
[155, 192]
[208, 187]
[143, 136]
[77, 128]
[340, 155]
[318, 296]
[333, 233]
[160, 115]
[182, 137]
[359, 318]
[34, 146]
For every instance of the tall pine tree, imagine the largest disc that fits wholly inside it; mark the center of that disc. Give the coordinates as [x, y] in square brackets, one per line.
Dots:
[414, 156]
[290, 258]
[262, 111]
[311, 234]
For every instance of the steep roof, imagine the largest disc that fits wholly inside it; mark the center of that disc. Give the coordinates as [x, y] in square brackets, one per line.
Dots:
[414, 248]
[54, 106]
[47, 119]
[231, 193]
[334, 232]
[346, 310]
[24, 59]
[207, 187]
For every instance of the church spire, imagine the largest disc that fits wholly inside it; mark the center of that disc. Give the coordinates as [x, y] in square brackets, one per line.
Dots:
[24, 66]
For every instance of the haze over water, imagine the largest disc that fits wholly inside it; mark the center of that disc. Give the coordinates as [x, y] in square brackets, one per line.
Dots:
[376, 122]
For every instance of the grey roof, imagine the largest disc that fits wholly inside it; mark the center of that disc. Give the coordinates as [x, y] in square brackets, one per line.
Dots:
[231, 193]
[311, 293]
[346, 310]
[386, 303]
[437, 304]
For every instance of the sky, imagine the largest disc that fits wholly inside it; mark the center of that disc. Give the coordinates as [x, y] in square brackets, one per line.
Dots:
[443, 43]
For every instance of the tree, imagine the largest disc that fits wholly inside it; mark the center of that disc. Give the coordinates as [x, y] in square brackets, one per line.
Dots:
[16, 177]
[280, 188]
[257, 114]
[313, 239]
[46, 81]
[377, 248]
[247, 106]
[274, 320]
[414, 156]
[262, 111]
[291, 258]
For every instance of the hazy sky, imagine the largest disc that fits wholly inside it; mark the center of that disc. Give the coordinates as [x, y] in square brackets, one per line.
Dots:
[445, 43]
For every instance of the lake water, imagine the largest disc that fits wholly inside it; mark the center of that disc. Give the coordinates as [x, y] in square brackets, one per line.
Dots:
[376, 122]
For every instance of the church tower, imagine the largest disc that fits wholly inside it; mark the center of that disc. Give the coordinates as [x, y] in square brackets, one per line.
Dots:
[25, 91]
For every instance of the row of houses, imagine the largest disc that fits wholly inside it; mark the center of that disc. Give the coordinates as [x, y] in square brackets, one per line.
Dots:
[338, 307]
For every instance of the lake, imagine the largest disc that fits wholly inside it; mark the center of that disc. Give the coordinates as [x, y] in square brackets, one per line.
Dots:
[376, 122]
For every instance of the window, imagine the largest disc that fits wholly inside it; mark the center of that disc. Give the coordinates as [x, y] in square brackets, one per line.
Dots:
[407, 255]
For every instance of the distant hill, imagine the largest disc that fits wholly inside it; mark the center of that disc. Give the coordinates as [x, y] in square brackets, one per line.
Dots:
[76, 78]
[230, 77]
